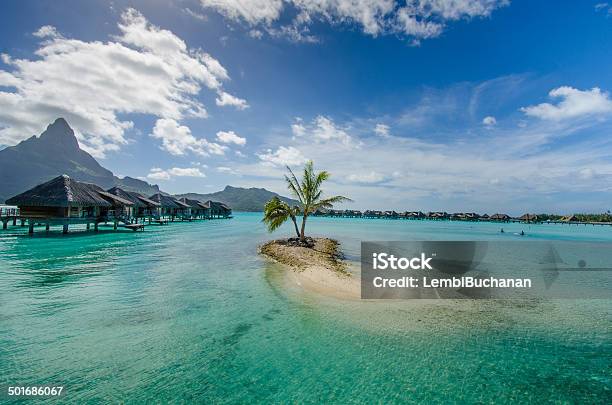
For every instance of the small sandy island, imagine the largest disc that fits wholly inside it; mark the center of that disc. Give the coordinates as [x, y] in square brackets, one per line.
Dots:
[319, 268]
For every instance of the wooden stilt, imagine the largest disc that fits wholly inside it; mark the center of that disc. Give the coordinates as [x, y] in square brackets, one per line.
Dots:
[31, 228]
[88, 226]
[47, 226]
[65, 229]
[96, 227]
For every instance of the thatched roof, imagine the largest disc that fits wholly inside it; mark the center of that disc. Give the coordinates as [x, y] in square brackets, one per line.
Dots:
[61, 191]
[216, 204]
[182, 204]
[137, 199]
[570, 218]
[529, 217]
[500, 216]
[114, 200]
[166, 201]
[192, 203]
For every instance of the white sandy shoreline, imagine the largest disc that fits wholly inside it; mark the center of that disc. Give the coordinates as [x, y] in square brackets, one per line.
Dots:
[318, 270]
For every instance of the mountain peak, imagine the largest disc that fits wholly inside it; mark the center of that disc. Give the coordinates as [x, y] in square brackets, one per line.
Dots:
[61, 134]
[54, 152]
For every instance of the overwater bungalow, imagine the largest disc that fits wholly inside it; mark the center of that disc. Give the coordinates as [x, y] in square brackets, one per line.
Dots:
[529, 218]
[500, 218]
[198, 208]
[8, 213]
[391, 215]
[440, 215]
[415, 215]
[142, 208]
[484, 217]
[216, 209]
[373, 214]
[170, 207]
[352, 213]
[120, 209]
[64, 201]
[464, 216]
[570, 218]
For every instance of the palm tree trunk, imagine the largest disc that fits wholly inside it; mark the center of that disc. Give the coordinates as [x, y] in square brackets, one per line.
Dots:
[297, 231]
[302, 236]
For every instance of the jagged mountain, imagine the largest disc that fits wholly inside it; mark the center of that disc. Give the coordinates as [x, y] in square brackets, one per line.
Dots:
[240, 199]
[56, 151]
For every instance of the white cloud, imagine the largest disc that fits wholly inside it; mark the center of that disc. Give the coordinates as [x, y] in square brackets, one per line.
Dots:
[143, 70]
[224, 99]
[574, 103]
[47, 31]
[489, 121]
[456, 9]
[382, 130]
[251, 11]
[230, 137]
[324, 129]
[410, 25]
[297, 128]
[604, 7]
[369, 178]
[282, 156]
[178, 140]
[489, 172]
[227, 170]
[194, 14]
[419, 19]
[157, 173]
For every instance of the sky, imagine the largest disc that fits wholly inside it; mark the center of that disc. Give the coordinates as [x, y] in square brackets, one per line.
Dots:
[455, 105]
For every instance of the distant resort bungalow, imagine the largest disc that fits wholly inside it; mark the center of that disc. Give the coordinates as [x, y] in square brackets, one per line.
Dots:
[142, 208]
[438, 215]
[65, 201]
[529, 218]
[216, 209]
[170, 207]
[500, 218]
[196, 208]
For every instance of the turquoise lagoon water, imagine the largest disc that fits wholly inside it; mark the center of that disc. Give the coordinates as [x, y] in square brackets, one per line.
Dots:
[190, 312]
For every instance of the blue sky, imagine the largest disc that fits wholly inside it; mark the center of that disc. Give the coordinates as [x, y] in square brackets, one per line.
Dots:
[458, 105]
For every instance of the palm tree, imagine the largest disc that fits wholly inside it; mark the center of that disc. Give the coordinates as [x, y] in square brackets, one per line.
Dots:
[276, 212]
[309, 193]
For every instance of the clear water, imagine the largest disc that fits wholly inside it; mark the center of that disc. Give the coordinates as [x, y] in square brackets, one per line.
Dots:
[190, 312]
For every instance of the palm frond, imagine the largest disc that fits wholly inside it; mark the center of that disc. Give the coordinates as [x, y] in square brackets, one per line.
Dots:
[294, 185]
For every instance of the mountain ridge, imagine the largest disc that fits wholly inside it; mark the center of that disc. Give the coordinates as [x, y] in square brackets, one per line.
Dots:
[240, 199]
[55, 152]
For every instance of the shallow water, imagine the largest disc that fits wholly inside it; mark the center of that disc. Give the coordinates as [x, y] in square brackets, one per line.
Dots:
[189, 311]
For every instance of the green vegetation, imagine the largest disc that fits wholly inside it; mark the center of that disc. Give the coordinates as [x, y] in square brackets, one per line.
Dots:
[310, 197]
[606, 217]
[276, 212]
